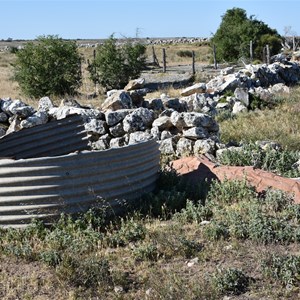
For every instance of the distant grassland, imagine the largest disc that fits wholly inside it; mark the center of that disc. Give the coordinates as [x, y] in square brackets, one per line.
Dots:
[9, 87]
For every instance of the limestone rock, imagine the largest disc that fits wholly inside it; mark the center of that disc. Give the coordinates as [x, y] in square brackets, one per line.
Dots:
[135, 84]
[184, 147]
[45, 104]
[138, 120]
[239, 107]
[162, 123]
[95, 126]
[114, 117]
[118, 100]
[242, 95]
[117, 142]
[117, 130]
[195, 133]
[100, 145]
[279, 88]
[165, 135]
[3, 117]
[205, 146]
[139, 136]
[168, 146]
[36, 119]
[17, 107]
[154, 104]
[196, 88]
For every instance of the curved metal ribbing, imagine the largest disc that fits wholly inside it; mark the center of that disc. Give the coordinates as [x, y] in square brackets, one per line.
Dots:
[54, 138]
[43, 188]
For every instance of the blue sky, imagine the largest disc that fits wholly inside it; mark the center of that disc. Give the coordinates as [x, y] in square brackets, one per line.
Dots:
[71, 19]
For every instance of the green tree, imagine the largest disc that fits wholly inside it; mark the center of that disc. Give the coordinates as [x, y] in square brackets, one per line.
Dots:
[48, 66]
[235, 32]
[115, 65]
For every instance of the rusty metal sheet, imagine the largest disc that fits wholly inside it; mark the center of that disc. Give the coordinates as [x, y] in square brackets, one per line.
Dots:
[54, 138]
[43, 188]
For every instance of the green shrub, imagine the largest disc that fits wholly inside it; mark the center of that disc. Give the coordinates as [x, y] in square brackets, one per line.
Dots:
[49, 66]
[216, 230]
[115, 65]
[282, 268]
[146, 252]
[230, 281]
[229, 192]
[193, 213]
[277, 161]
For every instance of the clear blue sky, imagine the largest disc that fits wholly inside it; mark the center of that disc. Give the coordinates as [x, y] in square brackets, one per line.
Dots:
[71, 19]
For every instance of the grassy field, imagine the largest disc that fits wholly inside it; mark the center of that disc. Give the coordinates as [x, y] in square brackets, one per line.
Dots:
[182, 242]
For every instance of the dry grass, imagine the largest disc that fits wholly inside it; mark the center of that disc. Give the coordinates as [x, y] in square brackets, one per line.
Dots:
[202, 53]
[281, 124]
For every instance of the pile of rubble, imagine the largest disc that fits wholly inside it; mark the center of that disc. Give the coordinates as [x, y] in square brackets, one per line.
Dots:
[182, 126]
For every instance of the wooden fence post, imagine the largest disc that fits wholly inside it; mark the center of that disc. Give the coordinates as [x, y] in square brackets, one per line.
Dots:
[251, 51]
[215, 57]
[193, 62]
[164, 60]
[294, 44]
[95, 69]
[154, 58]
[268, 54]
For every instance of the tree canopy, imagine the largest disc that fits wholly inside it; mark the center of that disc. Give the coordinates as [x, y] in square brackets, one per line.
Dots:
[232, 39]
[48, 66]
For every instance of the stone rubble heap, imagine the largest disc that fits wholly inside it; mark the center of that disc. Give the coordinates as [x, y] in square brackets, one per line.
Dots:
[182, 126]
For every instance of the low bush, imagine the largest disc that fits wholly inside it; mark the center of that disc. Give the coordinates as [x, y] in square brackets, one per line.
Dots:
[230, 281]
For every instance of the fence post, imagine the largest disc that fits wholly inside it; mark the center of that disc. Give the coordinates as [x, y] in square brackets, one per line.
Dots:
[294, 44]
[193, 62]
[95, 70]
[154, 58]
[251, 51]
[268, 54]
[164, 60]
[215, 57]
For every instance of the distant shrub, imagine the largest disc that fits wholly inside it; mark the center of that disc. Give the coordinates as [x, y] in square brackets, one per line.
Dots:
[49, 66]
[115, 65]
[184, 53]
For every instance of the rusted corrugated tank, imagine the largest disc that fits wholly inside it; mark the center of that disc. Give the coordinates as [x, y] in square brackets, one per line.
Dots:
[54, 138]
[43, 188]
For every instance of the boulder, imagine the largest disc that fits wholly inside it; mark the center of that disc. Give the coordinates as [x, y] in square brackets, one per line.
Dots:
[139, 136]
[135, 84]
[117, 130]
[118, 100]
[205, 146]
[138, 120]
[95, 126]
[242, 94]
[238, 108]
[279, 88]
[154, 104]
[114, 117]
[36, 119]
[117, 142]
[17, 107]
[196, 88]
[184, 147]
[195, 133]
[45, 104]
[162, 123]
[168, 146]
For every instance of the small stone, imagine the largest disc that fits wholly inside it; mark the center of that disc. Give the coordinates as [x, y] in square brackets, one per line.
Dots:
[118, 289]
